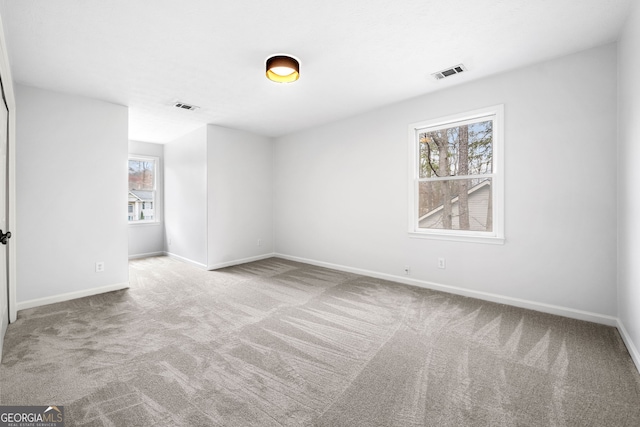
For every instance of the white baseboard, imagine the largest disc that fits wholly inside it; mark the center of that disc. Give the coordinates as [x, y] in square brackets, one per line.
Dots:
[633, 350]
[214, 266]
[70, 295]
[147, 255]
[486, 296]
[186, 260]
[240, 261]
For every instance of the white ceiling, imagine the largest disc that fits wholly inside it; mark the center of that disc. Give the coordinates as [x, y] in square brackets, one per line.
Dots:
[355, 55]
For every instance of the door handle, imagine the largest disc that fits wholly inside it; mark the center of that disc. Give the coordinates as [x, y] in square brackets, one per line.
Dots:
[4, 237]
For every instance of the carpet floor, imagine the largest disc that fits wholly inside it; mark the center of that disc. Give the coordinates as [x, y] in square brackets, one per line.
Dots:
[279, 343]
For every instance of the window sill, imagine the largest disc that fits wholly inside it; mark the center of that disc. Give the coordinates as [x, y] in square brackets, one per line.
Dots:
[144, 223]
[491, 240]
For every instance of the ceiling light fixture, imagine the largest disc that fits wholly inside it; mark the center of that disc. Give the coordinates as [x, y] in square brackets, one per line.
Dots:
[283, 69]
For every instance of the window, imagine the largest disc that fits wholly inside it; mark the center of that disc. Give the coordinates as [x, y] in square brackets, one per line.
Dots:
[456, 182]
[142, 189]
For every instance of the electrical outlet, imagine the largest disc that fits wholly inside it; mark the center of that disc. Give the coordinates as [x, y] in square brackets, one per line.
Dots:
[259, 242]
[99, 266]
[442, 263]
[169, 241]
[407, 270]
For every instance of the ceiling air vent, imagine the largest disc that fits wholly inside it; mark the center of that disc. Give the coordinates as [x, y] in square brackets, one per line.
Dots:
[185, 106]
[456, 69]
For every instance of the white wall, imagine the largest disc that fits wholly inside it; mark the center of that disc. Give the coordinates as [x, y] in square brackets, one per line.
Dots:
[185, 196]
[629, 183]
[8, 307]
[239, 196]
[341, 189]
[148, 238]
[71, 189]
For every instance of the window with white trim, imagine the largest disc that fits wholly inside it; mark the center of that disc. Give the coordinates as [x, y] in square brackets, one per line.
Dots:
[456, 184]
[142, 189]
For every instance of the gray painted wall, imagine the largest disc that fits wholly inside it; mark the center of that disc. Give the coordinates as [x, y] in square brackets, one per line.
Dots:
[145, 239]
[185, 196]
[341, 189]
[218, 196]
[240, 195]
[71, 188]
[629, 181]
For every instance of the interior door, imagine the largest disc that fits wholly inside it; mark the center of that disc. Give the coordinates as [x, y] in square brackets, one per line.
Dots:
[4, 285]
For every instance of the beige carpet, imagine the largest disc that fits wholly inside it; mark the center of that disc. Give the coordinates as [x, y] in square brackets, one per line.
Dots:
[278, 343]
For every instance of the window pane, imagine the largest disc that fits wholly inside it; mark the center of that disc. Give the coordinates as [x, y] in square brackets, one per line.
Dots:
[141, 175]
[460, 204]
[457, 150]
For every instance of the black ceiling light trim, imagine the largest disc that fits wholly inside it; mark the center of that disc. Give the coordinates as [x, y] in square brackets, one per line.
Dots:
[282, 68]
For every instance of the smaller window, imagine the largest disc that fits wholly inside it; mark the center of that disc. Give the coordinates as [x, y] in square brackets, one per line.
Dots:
[142, 189]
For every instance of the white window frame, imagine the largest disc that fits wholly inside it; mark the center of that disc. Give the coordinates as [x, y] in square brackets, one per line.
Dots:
[156, 194]
[496, 113]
